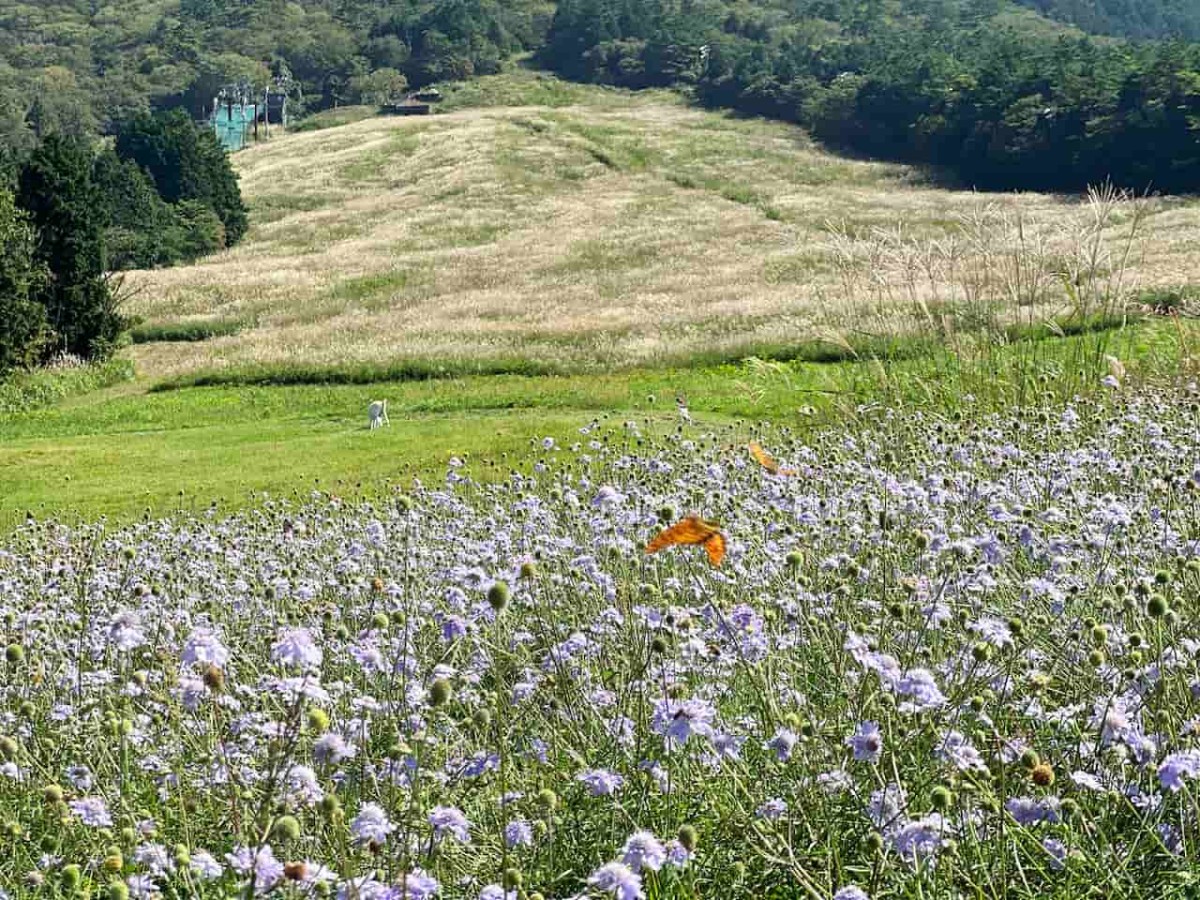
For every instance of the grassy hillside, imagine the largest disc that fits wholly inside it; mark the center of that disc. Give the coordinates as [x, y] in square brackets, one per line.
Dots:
[611, 230]
[555, 254]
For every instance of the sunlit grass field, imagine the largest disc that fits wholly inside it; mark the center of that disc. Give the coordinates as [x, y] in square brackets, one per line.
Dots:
[541, 227]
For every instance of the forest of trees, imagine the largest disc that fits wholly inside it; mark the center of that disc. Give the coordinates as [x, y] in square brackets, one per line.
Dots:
[963, 85]
[73, 210]
[1126, 18]
[82, 66]
[994, 95]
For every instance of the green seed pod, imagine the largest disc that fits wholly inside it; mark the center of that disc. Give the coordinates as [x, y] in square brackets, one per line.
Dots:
[8, 748]
[14, 653]
[72, 877]
[688, 837]
[481, 718]
[547, 800]
[52, 793]
[379, 621]
[318, 719]
[440, 692]
[498, 596]
[117, 890]
[941, 798]
[512, 879]
[1156, 606]
[286, 829]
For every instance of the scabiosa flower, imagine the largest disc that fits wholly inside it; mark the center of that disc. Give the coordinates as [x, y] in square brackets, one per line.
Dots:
[1177, 767]
[643, 850]
[1030, 811]
[263, 869]
[1057, 851]
[125, 631]
[448, 820]
[781, 744]
[415, 885]
[296, 647]
[920, 686]
[302, 787]
[371, 825]
[601, 782]
[92, 811]
[957, 750]
[496, 892]
[518, 833]
[618, 879]
[919, 840]
[851, 892]
[771, 810]
[203, 648]
[608, 497]
[80, 777]
[866, 742]
[331, 748]
[367, 888]
[142, 887]
[677, 720]
[205, 867]
[154, 857]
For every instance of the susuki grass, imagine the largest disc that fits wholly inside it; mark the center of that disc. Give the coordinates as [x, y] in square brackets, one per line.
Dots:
[615, 230]
[945, 656]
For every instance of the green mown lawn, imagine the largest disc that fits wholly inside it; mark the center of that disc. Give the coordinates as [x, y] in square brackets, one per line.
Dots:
[123, 450]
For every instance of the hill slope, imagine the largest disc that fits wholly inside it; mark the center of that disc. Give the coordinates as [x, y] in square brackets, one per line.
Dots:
[1126, 18]
[608, 230]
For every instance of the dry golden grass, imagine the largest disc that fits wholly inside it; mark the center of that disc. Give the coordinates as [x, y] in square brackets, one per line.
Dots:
[629, 231]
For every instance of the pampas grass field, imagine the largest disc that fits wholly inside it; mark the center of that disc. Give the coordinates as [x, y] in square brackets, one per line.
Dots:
[604, 230]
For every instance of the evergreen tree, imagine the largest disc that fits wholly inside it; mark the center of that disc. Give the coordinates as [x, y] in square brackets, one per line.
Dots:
[23, 327]
[186, 162]
[56, 188]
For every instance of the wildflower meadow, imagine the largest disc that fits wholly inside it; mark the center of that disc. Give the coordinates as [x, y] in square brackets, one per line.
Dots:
[928, 657]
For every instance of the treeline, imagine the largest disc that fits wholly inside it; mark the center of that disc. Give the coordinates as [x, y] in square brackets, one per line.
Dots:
[1126, 18]
[959, 84]
[82, 68]
[72, 212]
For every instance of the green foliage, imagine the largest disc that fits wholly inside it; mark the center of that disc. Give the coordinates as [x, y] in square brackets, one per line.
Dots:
[961, 85]
[66, 65]
[1127, 18]
[137, 220]
[381, 86]
[191, 331]
[23, 326]
[186, 162]
[58, 191]
[28, 391]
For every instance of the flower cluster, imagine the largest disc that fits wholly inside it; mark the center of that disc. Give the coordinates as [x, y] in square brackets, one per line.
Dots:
[936, 657]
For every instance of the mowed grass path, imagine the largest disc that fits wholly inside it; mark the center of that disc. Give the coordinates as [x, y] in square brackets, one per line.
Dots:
[123, 450]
